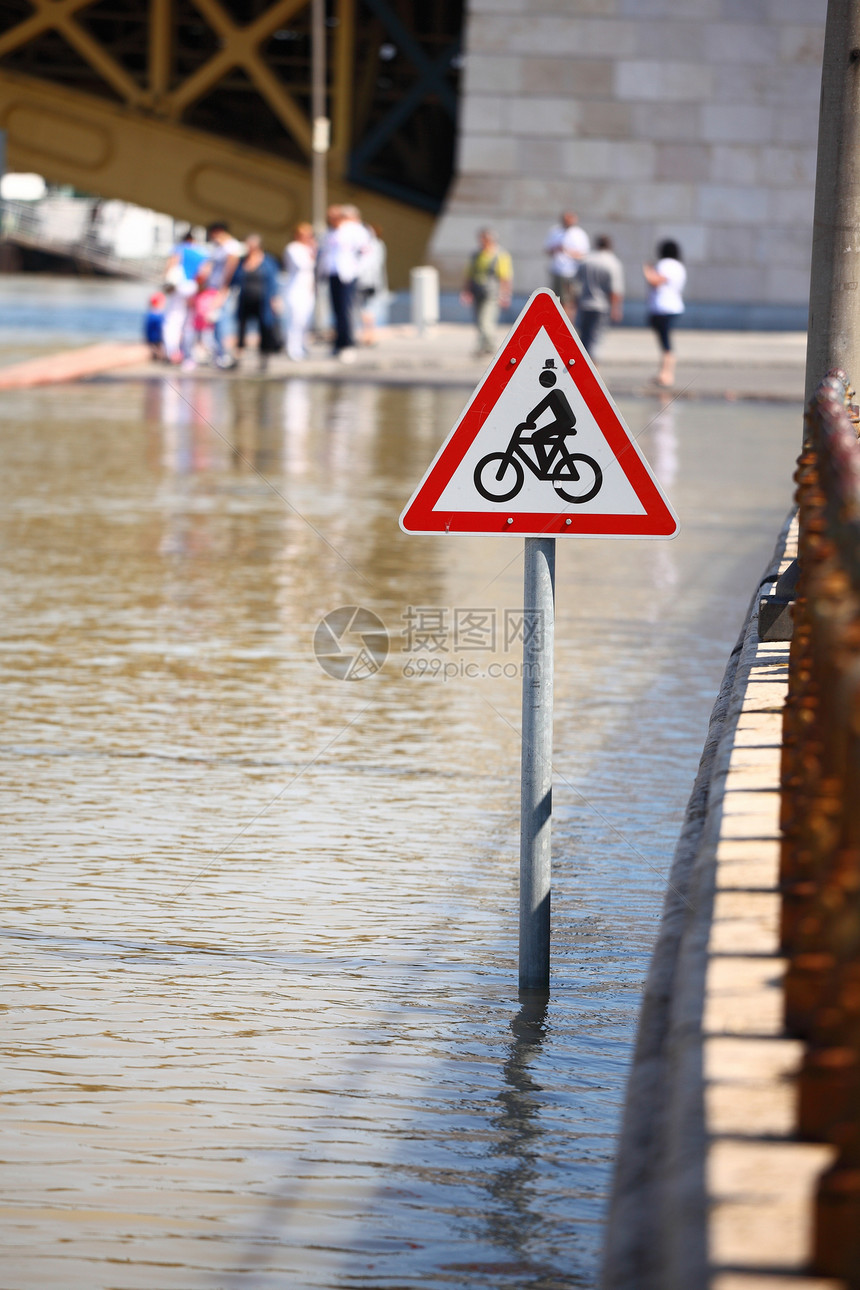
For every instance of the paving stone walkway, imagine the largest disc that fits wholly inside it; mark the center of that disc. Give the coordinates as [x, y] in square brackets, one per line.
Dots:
[711, 365]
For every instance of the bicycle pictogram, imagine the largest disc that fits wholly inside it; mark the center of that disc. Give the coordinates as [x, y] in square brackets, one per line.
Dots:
[575, 476]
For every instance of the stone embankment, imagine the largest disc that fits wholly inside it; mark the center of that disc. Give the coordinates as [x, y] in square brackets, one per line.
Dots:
[713, 1188]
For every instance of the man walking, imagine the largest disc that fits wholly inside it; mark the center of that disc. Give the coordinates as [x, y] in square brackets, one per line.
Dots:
[343, 247]
[600, 280]
[566, 244]
[487, 287]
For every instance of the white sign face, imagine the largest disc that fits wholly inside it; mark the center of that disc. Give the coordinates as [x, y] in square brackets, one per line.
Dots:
[541, 448]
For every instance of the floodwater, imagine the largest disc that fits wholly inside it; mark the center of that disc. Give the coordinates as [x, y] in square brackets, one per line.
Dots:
[259, 924]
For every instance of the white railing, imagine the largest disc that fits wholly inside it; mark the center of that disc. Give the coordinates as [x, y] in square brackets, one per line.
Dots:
[89, 232]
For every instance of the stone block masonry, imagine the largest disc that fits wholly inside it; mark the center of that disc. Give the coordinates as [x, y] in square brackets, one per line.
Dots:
[692, 119]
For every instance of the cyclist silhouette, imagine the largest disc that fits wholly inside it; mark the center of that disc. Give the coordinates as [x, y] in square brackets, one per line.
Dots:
[549, 439]
[543, 449]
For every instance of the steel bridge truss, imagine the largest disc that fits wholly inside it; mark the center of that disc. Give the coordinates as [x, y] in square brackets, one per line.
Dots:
[202, 107]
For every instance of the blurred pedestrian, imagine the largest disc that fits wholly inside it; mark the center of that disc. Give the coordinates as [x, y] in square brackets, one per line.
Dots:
[666, 280]
[153, 326]
[256, 278]
[372, 284]
[189, 254]
[345, 243]
[177, 331]
[300, 255]
[185, 264]
[600, 287]
[487, 287]
[566, 243]
[205, 310]
[216, 276]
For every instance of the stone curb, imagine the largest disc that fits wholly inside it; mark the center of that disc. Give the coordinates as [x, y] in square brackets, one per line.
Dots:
[712, 1189]
[72, 365]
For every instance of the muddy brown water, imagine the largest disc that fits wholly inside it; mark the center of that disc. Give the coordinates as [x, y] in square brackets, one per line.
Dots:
[259, 924]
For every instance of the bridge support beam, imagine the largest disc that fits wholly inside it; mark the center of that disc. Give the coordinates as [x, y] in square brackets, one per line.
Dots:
[112, 151]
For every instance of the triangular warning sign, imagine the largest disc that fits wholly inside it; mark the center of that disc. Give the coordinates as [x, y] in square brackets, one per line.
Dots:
[541, 448]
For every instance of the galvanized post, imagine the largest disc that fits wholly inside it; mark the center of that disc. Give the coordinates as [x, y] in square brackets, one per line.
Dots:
[536, 791]
[320, 142]
[834, 293]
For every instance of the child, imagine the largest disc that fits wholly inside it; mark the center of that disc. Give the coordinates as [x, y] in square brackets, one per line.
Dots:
[205, 312]
[153, 326]
[178, 294]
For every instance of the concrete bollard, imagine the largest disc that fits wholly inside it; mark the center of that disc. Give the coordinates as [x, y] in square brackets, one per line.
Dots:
[424, 297]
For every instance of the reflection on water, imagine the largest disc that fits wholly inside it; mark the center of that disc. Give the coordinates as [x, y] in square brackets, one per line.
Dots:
[520, 1145]
[664, 441]
[665, 463]
[259, 932]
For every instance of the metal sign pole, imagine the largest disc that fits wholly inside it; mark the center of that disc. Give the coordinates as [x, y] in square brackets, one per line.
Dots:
[536, 790]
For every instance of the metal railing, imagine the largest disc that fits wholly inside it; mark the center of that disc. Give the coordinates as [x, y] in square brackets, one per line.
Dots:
[820, 817]
[73, 231]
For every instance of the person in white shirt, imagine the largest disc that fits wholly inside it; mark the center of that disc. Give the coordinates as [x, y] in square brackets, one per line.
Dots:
[666, 281]
[343, 247]
[300, 290]
[566, 244]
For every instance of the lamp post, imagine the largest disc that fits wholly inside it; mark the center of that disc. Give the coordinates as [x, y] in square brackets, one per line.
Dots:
[320, 141]
[321, 128]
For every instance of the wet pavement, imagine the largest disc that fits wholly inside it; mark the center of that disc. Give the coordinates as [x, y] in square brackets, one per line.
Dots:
[260, 924]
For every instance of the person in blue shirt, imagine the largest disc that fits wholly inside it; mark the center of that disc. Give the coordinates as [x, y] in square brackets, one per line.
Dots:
[189, 255]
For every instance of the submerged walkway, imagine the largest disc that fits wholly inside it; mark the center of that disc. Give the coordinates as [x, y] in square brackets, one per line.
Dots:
[260, 934]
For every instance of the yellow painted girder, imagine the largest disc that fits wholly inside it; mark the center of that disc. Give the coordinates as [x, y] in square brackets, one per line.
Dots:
[117, 151]
[49, 13]
[240, 47]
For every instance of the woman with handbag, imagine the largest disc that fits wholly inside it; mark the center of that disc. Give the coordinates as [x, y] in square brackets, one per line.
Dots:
[258, 300]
